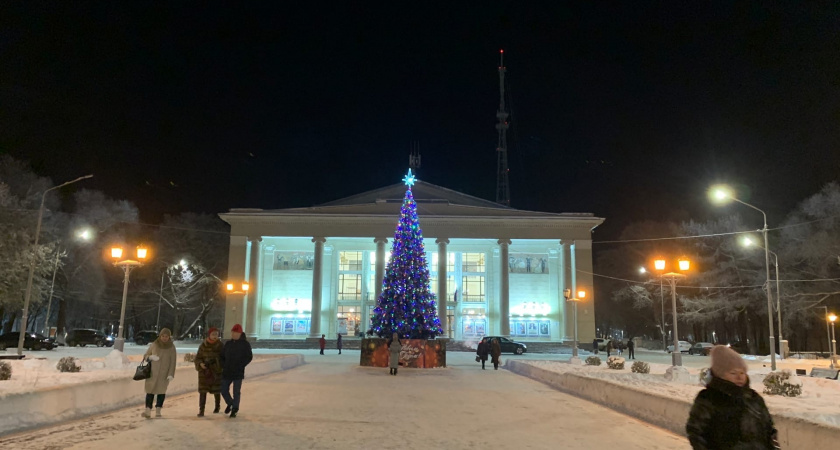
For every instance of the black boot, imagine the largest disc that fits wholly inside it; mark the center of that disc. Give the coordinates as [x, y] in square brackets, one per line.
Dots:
[200, 412]
[391, 372]
[227, 409]
[395, 370]
[202, 401]
[233, 412]
[218, 403]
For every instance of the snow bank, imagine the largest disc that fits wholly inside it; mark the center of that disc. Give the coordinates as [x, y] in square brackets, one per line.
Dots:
[57, 403]
[652, 399]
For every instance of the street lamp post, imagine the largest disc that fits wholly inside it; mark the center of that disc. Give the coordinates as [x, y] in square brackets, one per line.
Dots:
[722, 194]
[833, 318]
[25, 315]
[672, 277]
[748, 242]
[127, 266]
[662, 303]
[827, 332]
[581, 294]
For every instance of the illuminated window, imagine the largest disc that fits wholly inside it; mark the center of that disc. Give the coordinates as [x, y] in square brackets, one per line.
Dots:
[473, 288]
[450, 286]
[450, 263]
[350, 261]
[472, 262]
[349, 286]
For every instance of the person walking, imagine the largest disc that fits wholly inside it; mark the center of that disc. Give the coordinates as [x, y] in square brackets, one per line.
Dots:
[322, 343]
[482, 351]
[394, 347]
[162, 355]
[609, 347]
[208, 363]
[595, 346]
[728, 414]
[339, 343]
[619, 346]
[495, 353]
[235, 356]
[631, 349]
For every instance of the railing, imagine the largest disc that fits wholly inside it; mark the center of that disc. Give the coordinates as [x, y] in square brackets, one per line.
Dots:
[349, 296]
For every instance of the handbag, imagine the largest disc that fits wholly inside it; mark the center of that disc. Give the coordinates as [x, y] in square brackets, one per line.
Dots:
[143, 371]
[477, 358]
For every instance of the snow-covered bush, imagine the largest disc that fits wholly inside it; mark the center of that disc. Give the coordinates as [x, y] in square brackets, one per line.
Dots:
[5, 371]
[615, 362]
[705, 375]
[189, 357]
[640, 367]
[783, 383]
[68, 364]
[593, 361]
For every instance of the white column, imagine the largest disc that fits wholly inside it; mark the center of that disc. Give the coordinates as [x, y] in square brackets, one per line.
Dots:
[315, 321]
[504, 288]
[442, 276]
[251, 325]
[378, 276]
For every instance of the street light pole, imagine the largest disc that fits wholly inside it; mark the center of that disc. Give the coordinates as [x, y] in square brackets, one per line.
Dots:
[52, 287]
[127, 266]
[662, 300]
[581, 294]
[26, 296]
[157, 324]
[749, 242]
[833, 318]
[676, 355]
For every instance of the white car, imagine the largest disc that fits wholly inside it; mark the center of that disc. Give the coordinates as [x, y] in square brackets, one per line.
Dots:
[684, 347]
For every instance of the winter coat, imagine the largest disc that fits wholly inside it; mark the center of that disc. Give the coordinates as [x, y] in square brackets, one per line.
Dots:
[235, 356]
[483, 350]
[322, 343]
[609, 346]
[209, 379]
[162, 368]
[394, 347]
[338, 343]
[726, 416]
[630, 345]
[495, 351]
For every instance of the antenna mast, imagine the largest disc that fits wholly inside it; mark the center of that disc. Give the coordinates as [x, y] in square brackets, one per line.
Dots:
[502, 171]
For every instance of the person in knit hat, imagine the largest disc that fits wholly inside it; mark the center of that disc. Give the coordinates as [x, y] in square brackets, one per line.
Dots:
[161, 354]
[208, 363]
[728, 414]
[235, 356]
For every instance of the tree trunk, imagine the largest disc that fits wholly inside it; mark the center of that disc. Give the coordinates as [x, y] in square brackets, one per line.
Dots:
[7, 328]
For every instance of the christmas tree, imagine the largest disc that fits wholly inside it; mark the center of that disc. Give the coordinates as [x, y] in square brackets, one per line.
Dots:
[407, 306]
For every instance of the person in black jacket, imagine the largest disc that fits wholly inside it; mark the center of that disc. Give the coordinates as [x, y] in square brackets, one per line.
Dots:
[728, 414]
[631, 349]
[235, 356]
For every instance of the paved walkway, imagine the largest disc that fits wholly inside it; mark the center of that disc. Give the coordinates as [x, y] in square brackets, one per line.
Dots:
[332, 403]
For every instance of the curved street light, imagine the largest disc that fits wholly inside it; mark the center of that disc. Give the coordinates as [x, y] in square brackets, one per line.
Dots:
[722, 194]
[748, 243]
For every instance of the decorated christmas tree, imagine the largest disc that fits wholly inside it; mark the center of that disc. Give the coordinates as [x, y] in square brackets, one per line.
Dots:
[407, 306]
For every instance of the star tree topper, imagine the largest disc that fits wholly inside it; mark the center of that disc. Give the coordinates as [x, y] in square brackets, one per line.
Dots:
[409, 179]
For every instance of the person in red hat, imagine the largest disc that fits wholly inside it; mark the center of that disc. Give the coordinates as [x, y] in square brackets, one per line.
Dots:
[208, 363]
[235, 356]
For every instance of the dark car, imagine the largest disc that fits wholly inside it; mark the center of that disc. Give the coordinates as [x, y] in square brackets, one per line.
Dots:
[144, 337]
[83, 337]
[31, 341]
[507, 345]
[701, 348]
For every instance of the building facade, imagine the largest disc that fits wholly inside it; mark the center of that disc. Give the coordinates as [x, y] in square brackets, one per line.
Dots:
[501, 271]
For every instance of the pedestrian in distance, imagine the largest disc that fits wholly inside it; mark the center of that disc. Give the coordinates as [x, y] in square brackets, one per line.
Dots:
[595, 346]
[727, 414]
[235, 356]
[609, 348]
[495, 353]
[161, 354]
[394, 347]
[322, 343]
[483, 351]
[631, 349]
[619, 348]
[208, 363]
[339, 344]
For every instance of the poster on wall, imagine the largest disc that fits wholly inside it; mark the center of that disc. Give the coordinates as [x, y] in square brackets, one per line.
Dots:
[276, 325]
[342, 326]
[532, 329]
[294, 260]
[469, 328]
[528, 263]
[289, 327]
[479, 327]
[544, 329]
[302, 327]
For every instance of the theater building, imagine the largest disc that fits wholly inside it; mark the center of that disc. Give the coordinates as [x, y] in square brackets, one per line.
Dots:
[502, 271]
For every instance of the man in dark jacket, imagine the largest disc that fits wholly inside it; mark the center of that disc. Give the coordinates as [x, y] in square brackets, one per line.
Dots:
[235, 356]
[728, 414]
[631, 347]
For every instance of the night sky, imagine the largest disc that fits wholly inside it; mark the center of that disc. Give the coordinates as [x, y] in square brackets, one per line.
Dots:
[629, 111]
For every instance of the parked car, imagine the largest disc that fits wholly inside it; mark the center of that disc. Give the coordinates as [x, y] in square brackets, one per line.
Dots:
[701, 348]
[602, 343]
[507, 345]
[740, 347]
[685, 346]
[31, 341]
[145, 336]
[83, 337]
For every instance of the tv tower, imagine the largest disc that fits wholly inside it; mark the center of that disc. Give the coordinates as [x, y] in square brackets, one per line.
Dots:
[502, 171]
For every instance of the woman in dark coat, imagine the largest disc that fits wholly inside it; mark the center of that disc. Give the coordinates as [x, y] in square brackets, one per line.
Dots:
[208, 363]
[728, 414]
[482, 352]
[394, 347]
[495, 353]
[339, 344]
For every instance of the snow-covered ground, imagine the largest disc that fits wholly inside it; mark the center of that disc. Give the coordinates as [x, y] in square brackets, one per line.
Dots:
[333, 403]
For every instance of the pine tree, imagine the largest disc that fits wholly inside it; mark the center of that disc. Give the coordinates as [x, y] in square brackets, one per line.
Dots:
[407, 306]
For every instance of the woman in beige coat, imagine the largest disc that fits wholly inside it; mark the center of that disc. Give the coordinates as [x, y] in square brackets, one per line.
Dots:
[162, 355]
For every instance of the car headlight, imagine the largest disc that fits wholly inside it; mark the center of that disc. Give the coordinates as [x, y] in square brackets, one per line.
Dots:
[524, 346]
[109, 338]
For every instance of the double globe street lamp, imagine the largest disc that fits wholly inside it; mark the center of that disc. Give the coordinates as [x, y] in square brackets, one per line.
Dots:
[581, 295]
[127, 266]
[683, 265]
